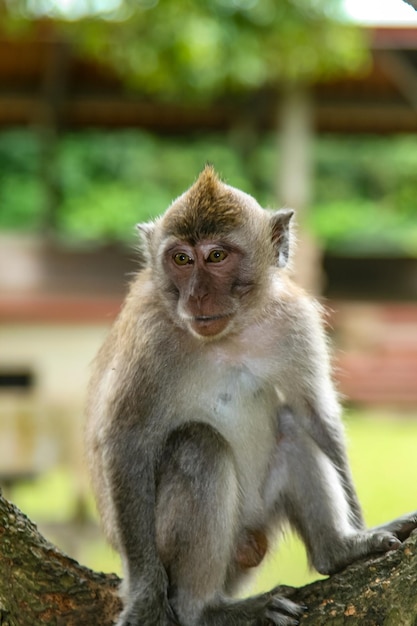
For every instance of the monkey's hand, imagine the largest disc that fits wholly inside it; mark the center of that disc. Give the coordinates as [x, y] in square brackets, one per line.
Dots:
[401, 528]
[387, 537]
[365, 543]
[273, 608]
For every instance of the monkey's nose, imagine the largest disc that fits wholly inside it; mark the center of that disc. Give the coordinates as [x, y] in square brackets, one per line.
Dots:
[197, 301]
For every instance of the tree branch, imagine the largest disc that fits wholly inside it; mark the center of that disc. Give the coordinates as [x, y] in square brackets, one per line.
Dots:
[381, 591]
[40, 585]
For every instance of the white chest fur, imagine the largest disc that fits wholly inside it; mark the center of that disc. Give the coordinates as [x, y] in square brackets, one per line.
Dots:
[233, 391]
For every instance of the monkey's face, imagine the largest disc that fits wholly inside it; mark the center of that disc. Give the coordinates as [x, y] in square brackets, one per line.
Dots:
[208, 284]
[212, 255]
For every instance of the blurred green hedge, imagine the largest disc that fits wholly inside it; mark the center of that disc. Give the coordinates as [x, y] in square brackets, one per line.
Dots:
[365, 189]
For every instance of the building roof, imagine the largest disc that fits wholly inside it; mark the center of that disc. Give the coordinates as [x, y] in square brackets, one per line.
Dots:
[41, 76]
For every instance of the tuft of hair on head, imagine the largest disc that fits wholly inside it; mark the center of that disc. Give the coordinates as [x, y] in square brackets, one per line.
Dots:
[208, 208]
[209, 174]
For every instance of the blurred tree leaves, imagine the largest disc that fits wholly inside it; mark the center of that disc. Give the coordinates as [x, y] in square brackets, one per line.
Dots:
[189, 50]
[177, 49]
[366, 195]
[364, 200]
[21, 193]
[112, 181]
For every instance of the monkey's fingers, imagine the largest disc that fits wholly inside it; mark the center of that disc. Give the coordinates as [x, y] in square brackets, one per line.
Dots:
[284, 612]
[402, 527]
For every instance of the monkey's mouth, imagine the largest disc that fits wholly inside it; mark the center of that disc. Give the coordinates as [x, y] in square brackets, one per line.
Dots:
[209, 325]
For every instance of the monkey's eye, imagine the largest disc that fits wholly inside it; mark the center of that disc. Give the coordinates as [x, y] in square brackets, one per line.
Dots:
[182, 259]
[216, 256]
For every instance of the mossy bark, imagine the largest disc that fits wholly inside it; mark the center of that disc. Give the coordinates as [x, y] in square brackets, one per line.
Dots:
[40, 586]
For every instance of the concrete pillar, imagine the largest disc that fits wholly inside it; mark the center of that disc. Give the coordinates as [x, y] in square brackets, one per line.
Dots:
[294, 181]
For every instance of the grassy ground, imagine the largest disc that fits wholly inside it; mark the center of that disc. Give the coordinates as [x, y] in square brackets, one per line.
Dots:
[383, 454]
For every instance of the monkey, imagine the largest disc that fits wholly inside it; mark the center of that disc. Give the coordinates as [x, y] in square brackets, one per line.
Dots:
[213, 420]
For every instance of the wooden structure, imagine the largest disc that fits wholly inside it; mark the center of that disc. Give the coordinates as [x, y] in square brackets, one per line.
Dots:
[43, 80]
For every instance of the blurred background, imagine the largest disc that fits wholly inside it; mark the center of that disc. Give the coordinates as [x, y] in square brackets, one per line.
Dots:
[108, 110]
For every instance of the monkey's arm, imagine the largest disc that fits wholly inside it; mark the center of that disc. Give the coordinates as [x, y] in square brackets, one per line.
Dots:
[316, 423]
[312, 396]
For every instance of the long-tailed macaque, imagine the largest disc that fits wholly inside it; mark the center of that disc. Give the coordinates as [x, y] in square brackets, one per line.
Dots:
[213, 420]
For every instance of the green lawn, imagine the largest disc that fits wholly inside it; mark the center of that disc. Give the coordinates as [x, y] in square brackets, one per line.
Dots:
[383, 453]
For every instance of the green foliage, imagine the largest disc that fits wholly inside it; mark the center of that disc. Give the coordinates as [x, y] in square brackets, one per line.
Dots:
[364, 201]
[111, 182]
[20, 187]
[366, 195]
[179, 49]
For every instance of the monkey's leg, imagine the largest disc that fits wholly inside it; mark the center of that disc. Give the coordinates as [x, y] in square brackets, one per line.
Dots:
[197, 523]
[318, 507]
[196, 516]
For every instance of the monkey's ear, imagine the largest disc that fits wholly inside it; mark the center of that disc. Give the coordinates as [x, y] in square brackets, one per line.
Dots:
[280, 235]
[146, 230]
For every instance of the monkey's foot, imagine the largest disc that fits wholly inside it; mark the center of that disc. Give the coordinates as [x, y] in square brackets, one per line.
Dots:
[271, 608]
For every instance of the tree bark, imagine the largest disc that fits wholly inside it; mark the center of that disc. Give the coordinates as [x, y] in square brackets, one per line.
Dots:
[381, 591]
[41, 586]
